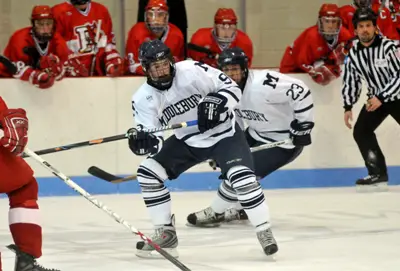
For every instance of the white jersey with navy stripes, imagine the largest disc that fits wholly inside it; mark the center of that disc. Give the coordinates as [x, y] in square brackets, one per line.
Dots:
[193, 81]
[270, 102]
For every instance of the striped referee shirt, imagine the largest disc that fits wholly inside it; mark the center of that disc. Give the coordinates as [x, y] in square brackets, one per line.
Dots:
[378, 65]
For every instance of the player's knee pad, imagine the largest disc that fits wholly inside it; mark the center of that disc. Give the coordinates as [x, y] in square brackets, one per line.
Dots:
[26, 196]
[151, 175]
[240, 177]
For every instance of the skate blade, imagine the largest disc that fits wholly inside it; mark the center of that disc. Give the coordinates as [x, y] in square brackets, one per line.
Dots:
[371, 188]
[237, 222]
[212, 225]
[153, 254]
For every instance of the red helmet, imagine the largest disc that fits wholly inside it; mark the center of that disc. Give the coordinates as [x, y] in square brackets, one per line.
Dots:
[156, 16]
[225, 16]
[329, 16]
[161, 4]
[225, 22]
[40, 13]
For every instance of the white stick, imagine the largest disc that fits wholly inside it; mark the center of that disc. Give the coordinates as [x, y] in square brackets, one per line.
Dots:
[103, 207]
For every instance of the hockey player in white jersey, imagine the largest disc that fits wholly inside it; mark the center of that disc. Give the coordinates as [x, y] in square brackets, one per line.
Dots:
[275, 107]
[180, 92]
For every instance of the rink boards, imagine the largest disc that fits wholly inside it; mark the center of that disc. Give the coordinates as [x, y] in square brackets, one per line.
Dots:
[82, 109]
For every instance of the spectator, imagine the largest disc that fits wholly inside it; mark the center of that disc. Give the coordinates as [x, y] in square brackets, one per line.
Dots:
[320, 49]
[385, 23]
[177, 16]
[207, 43]
[87, 27]
[37, 51]
[156, 26]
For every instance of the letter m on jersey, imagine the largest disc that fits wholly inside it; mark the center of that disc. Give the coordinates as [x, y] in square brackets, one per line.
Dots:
[86, 37]
[271, 81]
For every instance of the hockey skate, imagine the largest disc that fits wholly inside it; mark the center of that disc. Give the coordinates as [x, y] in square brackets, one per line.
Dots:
[372, 183]
[205, 218]
[233, 215]
[165, 237]
[26, 262]
[268, 242]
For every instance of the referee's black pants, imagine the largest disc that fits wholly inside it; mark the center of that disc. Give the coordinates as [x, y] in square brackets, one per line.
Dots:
[364, 135]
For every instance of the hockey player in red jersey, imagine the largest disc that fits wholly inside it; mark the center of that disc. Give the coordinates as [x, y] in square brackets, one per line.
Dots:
[394, 8]
[320, 49]
[156, 26]
[223, 35]
[87, 28]
[385, 23]
[37, 51]
[17, 181]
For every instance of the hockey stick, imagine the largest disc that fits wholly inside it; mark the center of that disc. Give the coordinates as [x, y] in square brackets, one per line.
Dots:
[11, 68]
[109, 139]
[106, 176]
[197, 48]
[96, 48]
[103, 207]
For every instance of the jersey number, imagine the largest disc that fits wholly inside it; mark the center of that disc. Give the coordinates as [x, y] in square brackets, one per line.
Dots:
[291, 92]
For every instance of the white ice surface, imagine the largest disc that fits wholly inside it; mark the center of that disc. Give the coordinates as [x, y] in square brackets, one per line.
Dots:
[316, 229]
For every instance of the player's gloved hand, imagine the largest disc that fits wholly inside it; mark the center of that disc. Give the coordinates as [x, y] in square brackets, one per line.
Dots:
[53, 66]
[325, 74]
[75, 68]
[42, 79]
[339, 54]
[209, 111]
[300, 132]
[14, 123]
[142, 142]
[114, 64]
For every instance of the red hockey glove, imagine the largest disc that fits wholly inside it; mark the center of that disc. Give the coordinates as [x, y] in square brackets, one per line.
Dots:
[42, 79]
[339, 54]
[53, 66]
[15, 127]
[75, 68]
[324, 74]
[114, 64]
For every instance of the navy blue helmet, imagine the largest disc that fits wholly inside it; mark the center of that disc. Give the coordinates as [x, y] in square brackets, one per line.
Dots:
[158, 64]
[235, 56]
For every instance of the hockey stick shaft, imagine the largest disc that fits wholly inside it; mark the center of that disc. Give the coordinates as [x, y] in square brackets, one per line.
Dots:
[200, 49]
[96, 49]
[103, 207]
[109, 139]
[104, 175]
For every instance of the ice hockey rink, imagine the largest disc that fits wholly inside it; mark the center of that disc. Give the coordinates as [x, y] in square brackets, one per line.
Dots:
[316, 229]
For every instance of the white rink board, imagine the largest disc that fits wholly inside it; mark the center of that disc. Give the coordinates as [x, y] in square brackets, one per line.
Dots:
[317, 230]
[82, 109]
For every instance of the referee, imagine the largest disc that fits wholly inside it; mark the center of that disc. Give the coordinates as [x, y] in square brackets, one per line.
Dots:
[375, 60]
